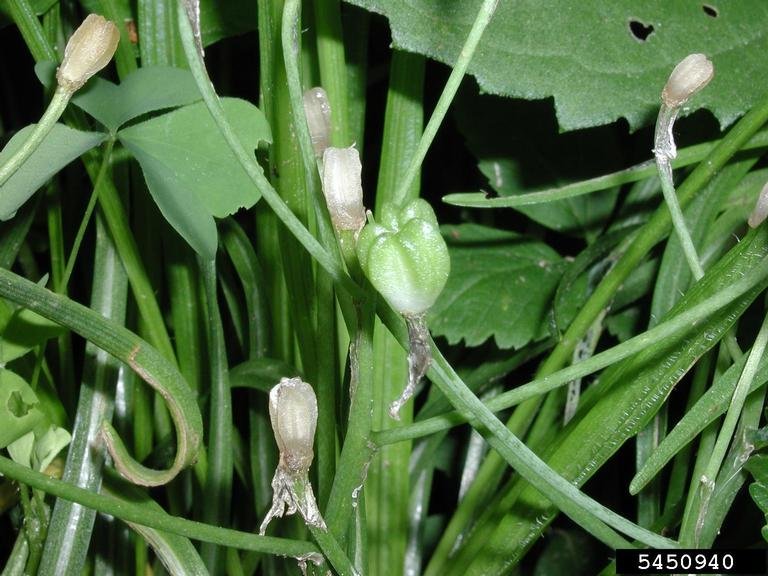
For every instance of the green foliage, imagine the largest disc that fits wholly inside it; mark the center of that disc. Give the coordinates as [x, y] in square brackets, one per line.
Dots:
[560, 246]
[59, 148]
[519, 149]
[404, 256]
[501, 285]
[758, 467]
[19, 411]
[146, 90]
[588, 57]
[22, 331]
[191, 173]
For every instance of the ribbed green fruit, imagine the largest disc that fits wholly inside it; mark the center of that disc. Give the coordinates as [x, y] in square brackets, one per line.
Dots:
[405, 257]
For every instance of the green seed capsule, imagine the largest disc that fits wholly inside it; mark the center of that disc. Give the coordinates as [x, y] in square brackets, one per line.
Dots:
[405, 257]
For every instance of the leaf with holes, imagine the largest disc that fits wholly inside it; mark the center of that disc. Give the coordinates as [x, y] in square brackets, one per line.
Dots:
[191, 172]
[501, 285]
[19, 408]
[601, 61]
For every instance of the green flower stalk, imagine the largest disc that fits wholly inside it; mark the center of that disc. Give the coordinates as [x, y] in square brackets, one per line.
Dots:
[89, 50]
[406, 259]
[691, 75]
[293, 412]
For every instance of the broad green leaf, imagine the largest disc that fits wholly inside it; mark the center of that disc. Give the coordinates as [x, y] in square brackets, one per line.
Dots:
[19, 412]
[500, 285]
[48, 445]
[146, 90]
[20, 450]
[191, 172]
[59, 148]
[601, 61]
[519, 150]
[37, 449]
[22, 330]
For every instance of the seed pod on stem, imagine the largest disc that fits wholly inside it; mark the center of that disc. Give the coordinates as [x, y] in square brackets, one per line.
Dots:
[293, 412]
[318, 112]
[407, 261]
[89, 50]
[688, 77]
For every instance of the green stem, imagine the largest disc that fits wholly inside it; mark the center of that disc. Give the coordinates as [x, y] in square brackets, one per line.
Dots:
[356, 454]
[685, 157]
[105, 162]
[141, 357]
[218, 487]
[333, 69]
[316, 250]
[128, 511]
[446, 97]
[333, 551]
[592, 516]
[42, 129]
[664, 150]
[518, 394]
[731, 420]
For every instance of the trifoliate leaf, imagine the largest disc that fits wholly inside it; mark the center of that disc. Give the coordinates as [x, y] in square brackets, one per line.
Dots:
[501, 285]
[59, 148]
[601, 61]
[190, 170]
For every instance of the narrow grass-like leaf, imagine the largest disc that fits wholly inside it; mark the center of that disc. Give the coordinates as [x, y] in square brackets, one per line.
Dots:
[711, 406]
[621, 411]
[685, 157]
[140, 356]
[131, 512]
[71, 525]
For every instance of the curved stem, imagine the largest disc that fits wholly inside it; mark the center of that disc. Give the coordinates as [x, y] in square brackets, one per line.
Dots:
[145, 360]
[52, 114]
[544, 384]
[664, 150]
